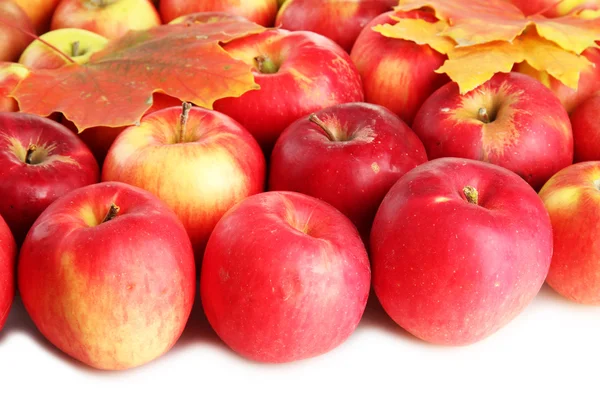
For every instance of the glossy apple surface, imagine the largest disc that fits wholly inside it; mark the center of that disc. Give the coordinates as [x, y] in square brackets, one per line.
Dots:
[586, 130]
[10, 76]
[40, 161]
[459, 248]
[397, 74]
[512, 120]
[107, 275]
[200, 169]
[348, 155]
[14, 40]
[109, 18]
[298, 73]
[262, 12]
[339, 21]
[8, 253]
[207, 17]
[285, 277]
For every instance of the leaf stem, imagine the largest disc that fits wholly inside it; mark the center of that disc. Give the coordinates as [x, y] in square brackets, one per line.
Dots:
[183, 120]
[319, 122]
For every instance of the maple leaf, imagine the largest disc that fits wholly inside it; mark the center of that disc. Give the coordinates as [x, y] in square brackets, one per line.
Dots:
[114, 88]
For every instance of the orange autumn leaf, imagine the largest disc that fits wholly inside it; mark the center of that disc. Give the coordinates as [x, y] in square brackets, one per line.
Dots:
[115, 87]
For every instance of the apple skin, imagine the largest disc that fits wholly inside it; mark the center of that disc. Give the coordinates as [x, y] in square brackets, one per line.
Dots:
[529, 130]
[10, 75]
[112, 20]
[39, 56]
[397, 74]
[285, 277]
[60, 164]
[586, 130]
[571, 198]
[39, 12]
[370, 150]
[14, 40]
[341, 23]
[451, 272]
[8, 255]
[262, 12]
[113, 295]
[207, 17]
[312, 73]
[216, 164]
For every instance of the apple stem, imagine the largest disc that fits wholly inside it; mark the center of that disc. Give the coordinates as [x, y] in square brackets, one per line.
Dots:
[112, 212]
[75, 48]
[483, 115]
[471, 194]
[29, 155]
[265, 65]
[316, 120]
[183, 120]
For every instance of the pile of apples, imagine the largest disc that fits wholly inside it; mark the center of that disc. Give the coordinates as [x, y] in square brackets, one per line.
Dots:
[354, 166]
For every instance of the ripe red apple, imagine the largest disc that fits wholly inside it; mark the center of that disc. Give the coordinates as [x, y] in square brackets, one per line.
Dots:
[39, 12]
[285, 277]
[298, 73]
[586, 130]
[200, 162]
[262, 12]
[10, 75]
[207, 17]
[40, 161]
[398, 74]
[459, 248]
[571, 198]
[14, 22]
[8, 253]
[512, 120]
[107, 275]
[78, 44]
[348, 155]
[339, 21]
[109, 18]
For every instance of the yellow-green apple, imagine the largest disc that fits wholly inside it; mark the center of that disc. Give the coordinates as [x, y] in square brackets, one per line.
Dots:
[207, 17]
[512, 120]
[200, 162]
[571, 198]
[339, 21]
[374, 146]
[586, 130]
[14, 25]
[107, 275]
[39, 12]
[10, 76]
[78, 44]
[397, 74]
[298, 73]
[8, 253]
[40, 161]
[285, 277]
[109, 18]
[262, 12]
[458, 249]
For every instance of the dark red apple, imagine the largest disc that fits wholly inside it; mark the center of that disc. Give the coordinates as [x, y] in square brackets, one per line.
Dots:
[586, 130]
[8, 253]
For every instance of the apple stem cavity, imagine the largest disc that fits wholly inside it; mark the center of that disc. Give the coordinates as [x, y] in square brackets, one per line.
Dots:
[29, 155]
[316, 120]
[112, 212]
[265, 65]
[483, 115]
[183, 120]
[471, 194]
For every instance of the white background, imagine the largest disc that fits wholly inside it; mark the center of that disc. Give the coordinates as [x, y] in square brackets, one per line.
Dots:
[552, 350]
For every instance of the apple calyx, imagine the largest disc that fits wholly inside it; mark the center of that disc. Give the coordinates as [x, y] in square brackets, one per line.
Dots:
[471, 194]
[483, 115]
[265, 65]
[112, 213]
[183, 120]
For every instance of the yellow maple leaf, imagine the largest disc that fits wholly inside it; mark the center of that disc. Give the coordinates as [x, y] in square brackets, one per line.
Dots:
[420, 32]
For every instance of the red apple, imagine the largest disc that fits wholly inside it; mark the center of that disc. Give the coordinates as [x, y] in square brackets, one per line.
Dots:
[107, 275]
[512, 120]
[109, 18]
[298, 73]
[14, 23]
[459, 248]
[8, 253]
[339, 21]
[348, 155]
[285, 277]
[207, 18]
[10, 76]
[40, 161]
[200, 164]
[586, 130]
[39, 12]
[571, 198]
[262, 12]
